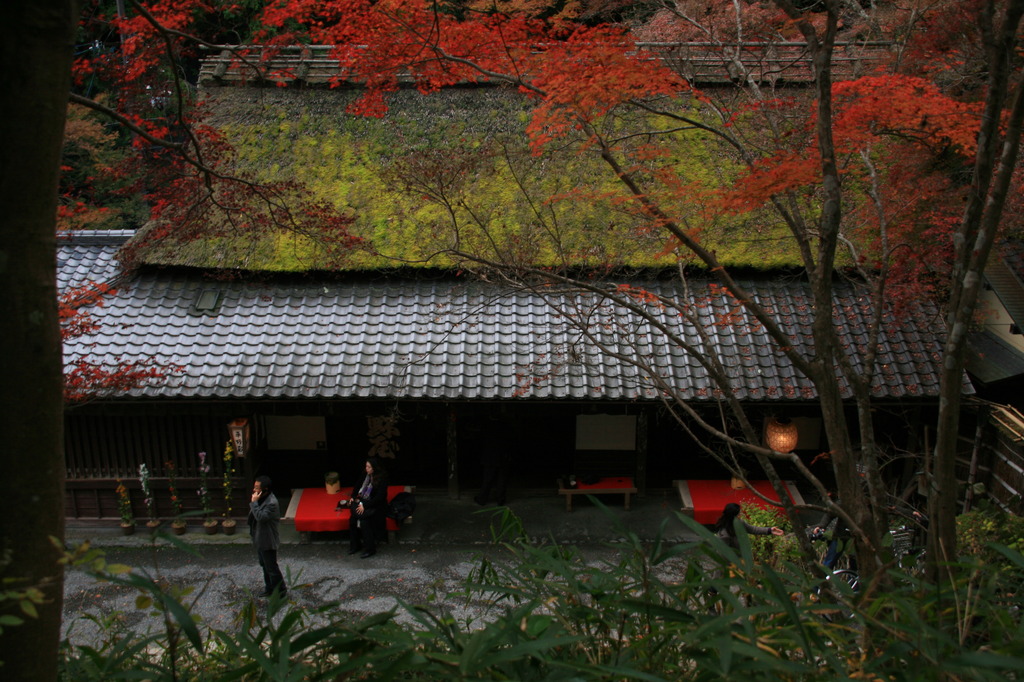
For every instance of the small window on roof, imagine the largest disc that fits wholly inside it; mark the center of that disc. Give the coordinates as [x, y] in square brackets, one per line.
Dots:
[208, 301]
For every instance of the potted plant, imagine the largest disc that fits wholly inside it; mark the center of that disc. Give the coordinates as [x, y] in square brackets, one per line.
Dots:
[178, 524]
[147, 496]
[209, 523]
[229, 461]
[124, 508]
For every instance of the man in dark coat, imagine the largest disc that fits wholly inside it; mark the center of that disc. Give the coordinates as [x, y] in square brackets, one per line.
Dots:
[264, 522]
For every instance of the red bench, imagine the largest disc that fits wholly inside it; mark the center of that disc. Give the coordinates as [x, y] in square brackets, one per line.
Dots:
[621, 485]
[314, 510]
[705, 499]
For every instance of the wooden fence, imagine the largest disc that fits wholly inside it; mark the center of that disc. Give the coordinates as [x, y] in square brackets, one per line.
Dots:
[699, 63]
[1001, 463]
[113, 446]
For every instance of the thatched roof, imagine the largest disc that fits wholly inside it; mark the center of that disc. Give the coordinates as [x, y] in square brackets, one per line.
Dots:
[379, 171]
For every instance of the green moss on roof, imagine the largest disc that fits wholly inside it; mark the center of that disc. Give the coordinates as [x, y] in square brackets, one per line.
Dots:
[473, 137]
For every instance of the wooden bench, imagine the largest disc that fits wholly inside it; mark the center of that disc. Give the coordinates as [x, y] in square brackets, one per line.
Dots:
[610, 485]
[314, 510]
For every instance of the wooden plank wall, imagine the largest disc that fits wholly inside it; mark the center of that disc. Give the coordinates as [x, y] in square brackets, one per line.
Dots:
[1005, 476]
[100, 449]
[113, 446]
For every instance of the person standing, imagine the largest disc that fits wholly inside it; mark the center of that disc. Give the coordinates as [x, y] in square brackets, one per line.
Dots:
[264, 527]
[726, 529]
[369, 510]
[839, 538]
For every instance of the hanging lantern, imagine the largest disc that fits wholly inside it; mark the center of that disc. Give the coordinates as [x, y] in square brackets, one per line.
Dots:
[240, 435]
[781, 434]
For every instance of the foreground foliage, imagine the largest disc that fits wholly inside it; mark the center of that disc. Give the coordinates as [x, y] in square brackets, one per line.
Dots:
[651, 611]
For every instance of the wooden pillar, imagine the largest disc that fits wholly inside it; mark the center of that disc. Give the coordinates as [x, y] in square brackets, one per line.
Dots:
[641, 453]
[453, 454]
[972, 476]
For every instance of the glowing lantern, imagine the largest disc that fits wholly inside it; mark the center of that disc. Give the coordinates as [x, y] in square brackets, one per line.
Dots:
[781, 434]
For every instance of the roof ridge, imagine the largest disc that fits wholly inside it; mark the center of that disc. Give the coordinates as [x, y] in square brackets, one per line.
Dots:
[95, 237]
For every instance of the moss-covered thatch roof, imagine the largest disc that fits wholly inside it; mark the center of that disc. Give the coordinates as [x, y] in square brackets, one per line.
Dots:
[467, 146]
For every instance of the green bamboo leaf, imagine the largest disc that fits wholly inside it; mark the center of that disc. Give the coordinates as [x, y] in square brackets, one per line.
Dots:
[29, 608]
[312, 637]
[184, 621]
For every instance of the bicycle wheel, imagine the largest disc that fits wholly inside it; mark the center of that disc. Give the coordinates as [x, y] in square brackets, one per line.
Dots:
[849, 577]
[840, 589]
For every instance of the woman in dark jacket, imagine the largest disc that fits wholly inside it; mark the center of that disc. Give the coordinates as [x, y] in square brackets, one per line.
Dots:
[726, 530]
[369, 510]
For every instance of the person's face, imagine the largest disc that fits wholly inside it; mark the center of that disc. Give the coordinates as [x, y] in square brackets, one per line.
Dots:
[369, 468]
[257, 489]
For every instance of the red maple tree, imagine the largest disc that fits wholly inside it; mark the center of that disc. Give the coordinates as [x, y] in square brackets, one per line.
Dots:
[176, 171]
[134, 73]
[86, 376]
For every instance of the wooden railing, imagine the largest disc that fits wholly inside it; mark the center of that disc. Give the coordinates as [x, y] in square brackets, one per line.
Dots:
[699, 63]
[707, 63]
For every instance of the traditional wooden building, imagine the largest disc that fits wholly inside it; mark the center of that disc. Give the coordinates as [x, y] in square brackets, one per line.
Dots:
[423, 371]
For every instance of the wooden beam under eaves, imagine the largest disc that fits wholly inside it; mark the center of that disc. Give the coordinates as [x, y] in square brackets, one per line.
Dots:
[1010, 419]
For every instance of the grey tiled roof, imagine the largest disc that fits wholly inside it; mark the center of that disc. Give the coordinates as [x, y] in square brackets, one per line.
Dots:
[1004, 276]
[989, 359]
[993, 360]
[452, 340]
[88, 256]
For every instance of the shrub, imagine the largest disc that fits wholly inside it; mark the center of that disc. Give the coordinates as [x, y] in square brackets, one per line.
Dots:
[979, 532]
[768, 549]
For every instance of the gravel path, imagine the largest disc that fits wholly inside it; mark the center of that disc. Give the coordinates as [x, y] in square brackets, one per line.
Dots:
[224, 577]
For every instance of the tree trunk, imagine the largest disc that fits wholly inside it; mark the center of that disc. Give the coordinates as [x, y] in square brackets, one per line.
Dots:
[34, 78]
[995, 162]
[852, 494]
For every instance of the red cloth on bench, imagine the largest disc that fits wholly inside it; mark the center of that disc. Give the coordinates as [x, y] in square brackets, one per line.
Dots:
[710, 497]
[317, 510]
[611, 482]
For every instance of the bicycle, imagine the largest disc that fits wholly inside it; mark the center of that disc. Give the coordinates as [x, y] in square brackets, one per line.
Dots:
[908, 545]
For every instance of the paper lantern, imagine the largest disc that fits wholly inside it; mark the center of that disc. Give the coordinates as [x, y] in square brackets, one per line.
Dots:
[240, 435]
[781, 434]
